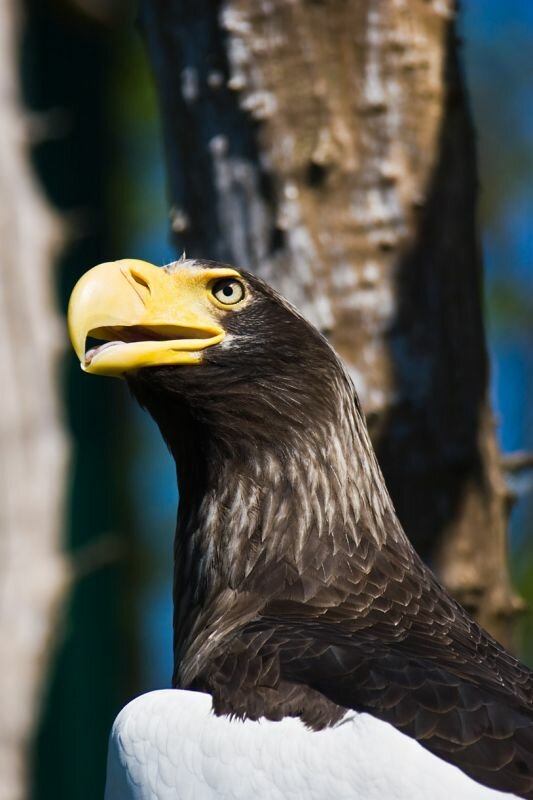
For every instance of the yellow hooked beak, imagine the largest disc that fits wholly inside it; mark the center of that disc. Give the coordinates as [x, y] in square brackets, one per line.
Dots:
[147, 315]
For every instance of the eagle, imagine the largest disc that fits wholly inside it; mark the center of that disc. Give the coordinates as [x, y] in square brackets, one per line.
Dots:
[302, 614]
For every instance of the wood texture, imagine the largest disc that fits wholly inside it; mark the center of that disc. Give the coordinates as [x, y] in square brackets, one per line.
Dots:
[328, 147]
[34, 450]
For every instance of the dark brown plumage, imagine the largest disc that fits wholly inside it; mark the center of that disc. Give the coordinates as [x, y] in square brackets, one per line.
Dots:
[296, 591]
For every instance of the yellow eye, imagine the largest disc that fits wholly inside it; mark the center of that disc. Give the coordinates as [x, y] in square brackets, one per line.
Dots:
[228, 291]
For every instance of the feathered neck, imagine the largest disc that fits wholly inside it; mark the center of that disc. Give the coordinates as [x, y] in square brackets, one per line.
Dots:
[266, 500]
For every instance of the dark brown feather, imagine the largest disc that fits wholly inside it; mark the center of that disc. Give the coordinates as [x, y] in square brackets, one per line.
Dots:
[297, 592]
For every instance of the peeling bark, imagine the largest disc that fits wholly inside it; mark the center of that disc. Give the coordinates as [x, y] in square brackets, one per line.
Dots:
[327, 145]
[33, 456]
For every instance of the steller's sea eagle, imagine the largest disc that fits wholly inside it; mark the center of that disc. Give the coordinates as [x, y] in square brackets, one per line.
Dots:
[297, 595]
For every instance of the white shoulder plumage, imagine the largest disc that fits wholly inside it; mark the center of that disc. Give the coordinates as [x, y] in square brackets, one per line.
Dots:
[168, 745]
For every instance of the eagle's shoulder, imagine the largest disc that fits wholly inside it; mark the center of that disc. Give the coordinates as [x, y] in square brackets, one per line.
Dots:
[168, 744]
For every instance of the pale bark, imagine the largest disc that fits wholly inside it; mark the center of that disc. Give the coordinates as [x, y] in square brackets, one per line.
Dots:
[33, 455]
[327, 146]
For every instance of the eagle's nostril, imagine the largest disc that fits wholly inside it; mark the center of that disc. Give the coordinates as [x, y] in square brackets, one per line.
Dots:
[139, 283]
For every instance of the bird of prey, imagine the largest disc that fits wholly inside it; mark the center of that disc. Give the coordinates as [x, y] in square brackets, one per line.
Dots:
[299, 601]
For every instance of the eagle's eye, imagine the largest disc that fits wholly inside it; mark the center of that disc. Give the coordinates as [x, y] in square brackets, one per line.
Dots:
[228, 291]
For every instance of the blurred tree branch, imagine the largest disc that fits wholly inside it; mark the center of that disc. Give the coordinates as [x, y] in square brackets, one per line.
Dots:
[328, 146]
[517, 462]
[34, 453]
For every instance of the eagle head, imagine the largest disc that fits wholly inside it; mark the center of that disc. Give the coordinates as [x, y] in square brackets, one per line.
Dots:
[206, 340]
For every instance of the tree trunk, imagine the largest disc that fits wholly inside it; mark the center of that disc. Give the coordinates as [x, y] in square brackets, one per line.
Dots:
[327, 145]
[33, 456]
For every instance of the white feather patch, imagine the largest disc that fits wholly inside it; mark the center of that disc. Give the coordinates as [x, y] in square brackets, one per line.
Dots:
[168, 745]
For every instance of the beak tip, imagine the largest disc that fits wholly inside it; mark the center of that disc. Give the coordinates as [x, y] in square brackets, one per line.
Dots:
[79, 349]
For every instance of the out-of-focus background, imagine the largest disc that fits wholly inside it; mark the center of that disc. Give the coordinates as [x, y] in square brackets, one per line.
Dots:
[102, 165]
